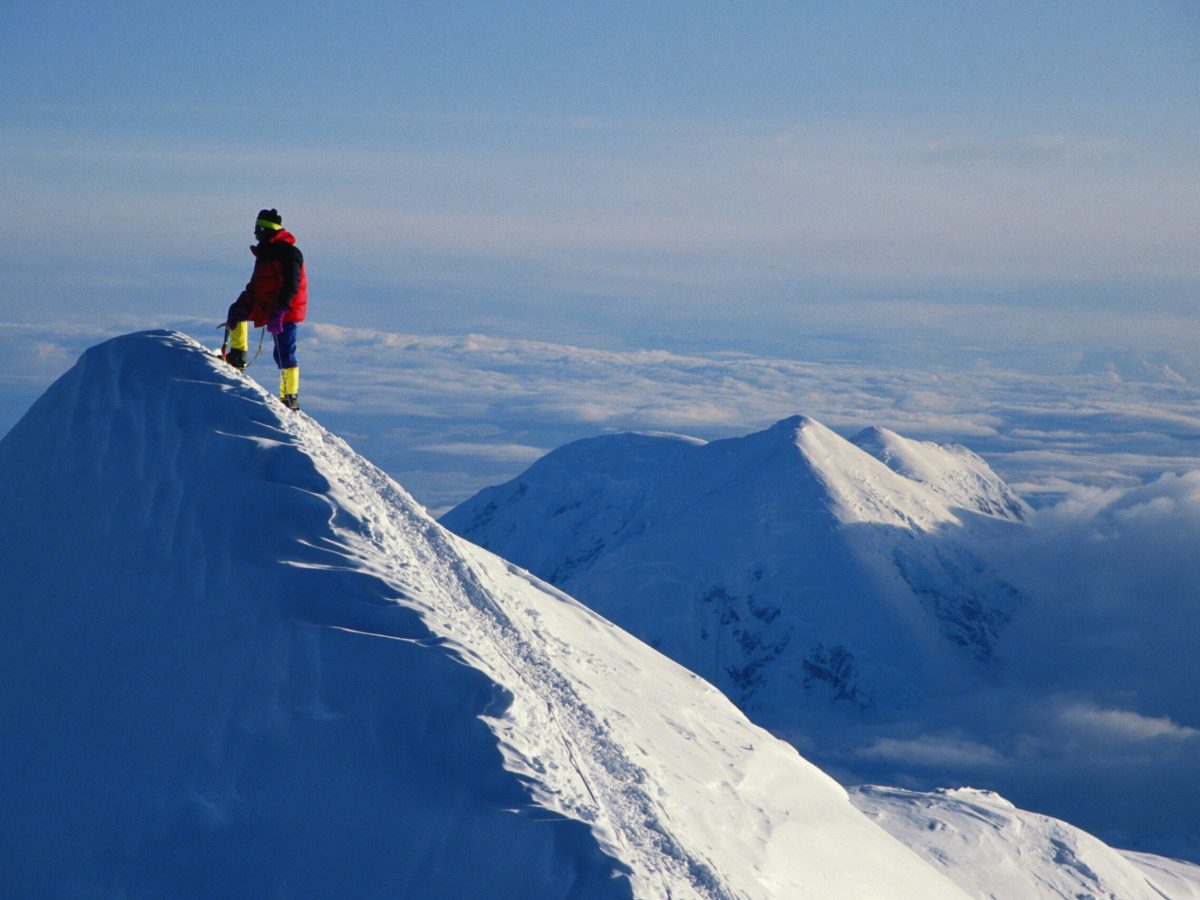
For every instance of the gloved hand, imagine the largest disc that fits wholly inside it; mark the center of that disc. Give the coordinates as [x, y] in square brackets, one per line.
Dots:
[275, 323]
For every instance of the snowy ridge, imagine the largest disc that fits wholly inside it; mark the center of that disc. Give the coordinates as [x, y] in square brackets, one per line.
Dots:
[992, 849]
[268, 671]
[959, 476]
[862, 490]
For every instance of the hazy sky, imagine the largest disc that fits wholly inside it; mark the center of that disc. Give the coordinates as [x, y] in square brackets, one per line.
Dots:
[925, 183]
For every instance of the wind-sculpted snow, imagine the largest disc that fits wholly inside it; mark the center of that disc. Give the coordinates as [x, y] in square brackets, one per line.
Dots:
[992, 849]
[790, 567]
[238, 660]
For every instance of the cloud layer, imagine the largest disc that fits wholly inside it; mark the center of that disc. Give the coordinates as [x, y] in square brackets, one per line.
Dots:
[450, 414]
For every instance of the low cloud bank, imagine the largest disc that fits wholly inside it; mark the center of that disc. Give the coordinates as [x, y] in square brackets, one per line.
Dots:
[1116, 579]
[1093, 712]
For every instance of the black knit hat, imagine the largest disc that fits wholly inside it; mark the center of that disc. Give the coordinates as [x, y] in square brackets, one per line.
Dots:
[270, 219]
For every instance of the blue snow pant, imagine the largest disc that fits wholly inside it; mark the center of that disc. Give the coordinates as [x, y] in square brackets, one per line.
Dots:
[285, 347]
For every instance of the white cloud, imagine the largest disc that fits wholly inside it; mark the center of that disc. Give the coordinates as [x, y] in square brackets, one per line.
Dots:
[1123, 724]
[1048, 431]
[934, 752]
[1155, 509]
[520, 453]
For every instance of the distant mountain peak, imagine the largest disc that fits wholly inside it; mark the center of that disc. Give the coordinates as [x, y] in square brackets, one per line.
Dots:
[787, 565]
[794, 424]
[852, 485]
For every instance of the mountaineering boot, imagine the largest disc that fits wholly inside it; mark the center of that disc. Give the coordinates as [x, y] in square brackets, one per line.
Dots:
[289, 387]
[239, 343]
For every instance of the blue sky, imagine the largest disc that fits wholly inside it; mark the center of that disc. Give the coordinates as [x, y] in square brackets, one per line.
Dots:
[930, 183]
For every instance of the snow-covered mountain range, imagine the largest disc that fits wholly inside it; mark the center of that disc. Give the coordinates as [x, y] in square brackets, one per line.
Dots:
[791, 567]
[238, 660]
[893, 608]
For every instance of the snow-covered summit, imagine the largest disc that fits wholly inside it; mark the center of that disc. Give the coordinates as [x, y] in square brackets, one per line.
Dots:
[790, 566]
[961, 477]
[237, 659]
[858, 488]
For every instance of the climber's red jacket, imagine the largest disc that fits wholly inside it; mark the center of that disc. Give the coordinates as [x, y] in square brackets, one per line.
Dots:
[279, 280]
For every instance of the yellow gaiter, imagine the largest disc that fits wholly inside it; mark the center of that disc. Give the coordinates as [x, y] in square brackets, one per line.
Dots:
[289, 381]
[239, 336]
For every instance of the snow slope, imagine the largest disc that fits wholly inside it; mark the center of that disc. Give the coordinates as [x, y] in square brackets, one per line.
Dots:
[238, 660]
[790, 567]
[959, 476]
[993, 850]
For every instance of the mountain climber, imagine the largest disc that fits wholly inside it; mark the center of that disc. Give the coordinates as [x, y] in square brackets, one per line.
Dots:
[277, 297]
